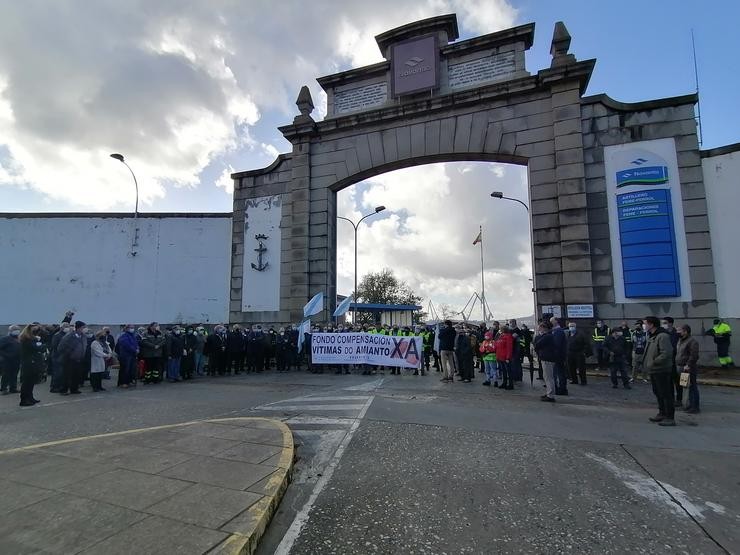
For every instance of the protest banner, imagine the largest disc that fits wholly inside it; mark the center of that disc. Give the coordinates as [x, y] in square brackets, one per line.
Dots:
[367, 348]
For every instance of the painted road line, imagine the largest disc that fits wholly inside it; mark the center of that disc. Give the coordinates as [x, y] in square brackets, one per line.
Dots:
[301, 518]
[299, 408]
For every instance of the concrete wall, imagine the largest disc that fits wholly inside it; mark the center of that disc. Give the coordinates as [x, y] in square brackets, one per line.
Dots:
[53, 263]
[721, 171]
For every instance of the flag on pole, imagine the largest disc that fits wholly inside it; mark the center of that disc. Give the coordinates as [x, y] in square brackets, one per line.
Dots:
[478, 239]
[303, 329]
[343, 306]
[314, 306]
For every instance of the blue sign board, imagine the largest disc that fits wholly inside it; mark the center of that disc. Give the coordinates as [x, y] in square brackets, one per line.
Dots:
[649, 175]
[648, 241]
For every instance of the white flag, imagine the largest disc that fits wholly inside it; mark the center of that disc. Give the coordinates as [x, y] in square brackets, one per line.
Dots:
[343, 307]
[314, 306]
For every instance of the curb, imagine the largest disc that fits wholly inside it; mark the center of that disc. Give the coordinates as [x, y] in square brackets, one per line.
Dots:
[259, 513]
[701, 381]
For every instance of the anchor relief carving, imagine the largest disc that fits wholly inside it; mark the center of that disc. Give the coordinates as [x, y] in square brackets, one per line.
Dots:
[260, 250]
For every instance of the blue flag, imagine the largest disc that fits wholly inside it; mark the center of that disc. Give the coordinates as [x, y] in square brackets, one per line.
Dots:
[303, 329]
[314, 306]
[343, 307]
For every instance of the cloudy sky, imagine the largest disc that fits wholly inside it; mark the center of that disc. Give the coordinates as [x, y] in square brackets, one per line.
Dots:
[190, 91]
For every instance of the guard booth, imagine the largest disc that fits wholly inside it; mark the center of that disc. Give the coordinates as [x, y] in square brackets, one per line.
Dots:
[391, 314]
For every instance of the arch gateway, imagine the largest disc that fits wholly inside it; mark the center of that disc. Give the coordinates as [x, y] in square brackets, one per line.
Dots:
[618, 209]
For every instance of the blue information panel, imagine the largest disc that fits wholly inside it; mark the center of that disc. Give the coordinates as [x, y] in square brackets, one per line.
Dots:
[648, 242]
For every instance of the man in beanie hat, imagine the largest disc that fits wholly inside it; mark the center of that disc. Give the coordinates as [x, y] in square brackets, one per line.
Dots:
[71, 354]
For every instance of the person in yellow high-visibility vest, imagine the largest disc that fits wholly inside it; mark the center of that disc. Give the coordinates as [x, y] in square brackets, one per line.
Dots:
[722, 332]
[601, 332]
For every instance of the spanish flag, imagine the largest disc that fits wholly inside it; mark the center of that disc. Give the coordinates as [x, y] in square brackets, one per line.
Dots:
[478, 239]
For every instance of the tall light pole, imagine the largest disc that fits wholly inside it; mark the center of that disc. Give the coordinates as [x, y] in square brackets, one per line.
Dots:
[499, 194]
[120, 158]
[378, 209]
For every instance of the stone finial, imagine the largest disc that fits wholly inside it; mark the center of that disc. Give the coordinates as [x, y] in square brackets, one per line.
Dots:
[305, 102]
[560, 45]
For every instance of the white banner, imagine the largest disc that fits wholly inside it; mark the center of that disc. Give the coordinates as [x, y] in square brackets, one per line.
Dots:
[367, 348]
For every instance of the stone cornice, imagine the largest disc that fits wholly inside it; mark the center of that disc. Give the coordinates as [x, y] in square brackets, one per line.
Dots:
[251, 173]
[609, 102]
[522, 33]
[720, 150]
[580, 71]
[445, 23]
[356, 74]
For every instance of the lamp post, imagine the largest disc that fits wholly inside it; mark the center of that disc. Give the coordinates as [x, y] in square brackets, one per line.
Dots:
[500, 195]
[378, 209]
[120, 158]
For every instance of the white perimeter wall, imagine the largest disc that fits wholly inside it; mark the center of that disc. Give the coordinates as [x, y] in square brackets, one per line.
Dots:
[49, 265]
[722, 182]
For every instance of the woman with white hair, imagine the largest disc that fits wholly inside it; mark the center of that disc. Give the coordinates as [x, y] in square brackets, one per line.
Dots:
[100, 352]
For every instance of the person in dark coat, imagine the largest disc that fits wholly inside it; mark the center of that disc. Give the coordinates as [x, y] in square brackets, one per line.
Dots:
[71, 354]
[175, 350]
[667, 324]
[235, 350]
[547, 354]
[617, 347]
[561, 348]
[187, 365]
[152, 352]
[32, 351]
[282, 350]
[257, 345]
[10, 360]
[464, 354]
[447, 351]
[215, 350]
[578, 349]
[687, 358]
[90, 337]
[127, 349]
[57, 372]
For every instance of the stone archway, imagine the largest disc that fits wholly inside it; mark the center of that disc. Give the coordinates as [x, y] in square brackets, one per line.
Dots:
[435, 100]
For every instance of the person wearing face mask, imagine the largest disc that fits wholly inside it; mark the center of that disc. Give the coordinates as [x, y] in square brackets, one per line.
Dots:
[89, 338]
[71, 353]
[10, 360]
[658, 360]
[175, 350]
[236, 346]
[600, 333]
[667, 324]
[464, 354]
[187, 365]
[577, 351]
[199, 359]
[127, 349]
[100, 352]
[32, 352]
[639, 340]
[57, 372]
[152, 352]
[687, 357]
[617, 347]
[282, 347]
[544, 346]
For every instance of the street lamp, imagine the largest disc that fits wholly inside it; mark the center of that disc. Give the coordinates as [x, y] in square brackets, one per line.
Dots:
[499, 194]
[135, 242]
[378, 209]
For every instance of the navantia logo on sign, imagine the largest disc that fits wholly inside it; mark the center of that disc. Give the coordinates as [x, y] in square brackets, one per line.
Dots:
[406, 349]
[414, 65]
[654, 174]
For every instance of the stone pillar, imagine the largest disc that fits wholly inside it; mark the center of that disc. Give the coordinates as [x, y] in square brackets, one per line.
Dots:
[570, 177]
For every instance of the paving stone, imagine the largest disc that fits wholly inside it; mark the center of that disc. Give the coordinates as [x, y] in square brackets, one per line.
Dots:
[55, 471]
[125, 488]
[201, 445]
[148, 459]
[90, 449]
[254, 453]
[230, 474]
[205, 505]
[68, 525]
[155, 535]
[15, 496]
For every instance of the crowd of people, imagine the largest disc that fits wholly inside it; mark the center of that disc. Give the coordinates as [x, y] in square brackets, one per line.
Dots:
[652, 351]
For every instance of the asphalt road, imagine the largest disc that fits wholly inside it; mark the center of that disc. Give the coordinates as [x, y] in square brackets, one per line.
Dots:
[404, 464]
